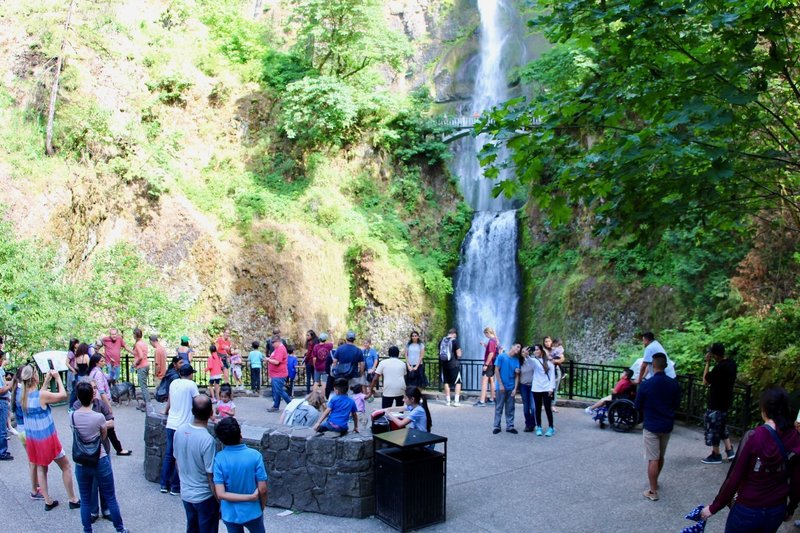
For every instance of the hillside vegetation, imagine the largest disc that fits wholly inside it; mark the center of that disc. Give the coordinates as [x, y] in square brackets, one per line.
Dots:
[216, 164]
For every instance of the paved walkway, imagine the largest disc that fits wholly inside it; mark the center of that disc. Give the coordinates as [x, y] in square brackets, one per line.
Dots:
[583, 479]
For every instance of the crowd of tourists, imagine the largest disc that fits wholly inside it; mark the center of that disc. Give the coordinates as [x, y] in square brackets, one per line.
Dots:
[762, 487]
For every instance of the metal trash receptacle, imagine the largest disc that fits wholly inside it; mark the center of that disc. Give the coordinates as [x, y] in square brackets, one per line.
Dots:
[410, 479]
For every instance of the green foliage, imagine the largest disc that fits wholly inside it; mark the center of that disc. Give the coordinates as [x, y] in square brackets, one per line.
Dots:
[241, 39]
[81, 130]
[318, 111]
[343, 38]
[659, 116]
[171, 89]
[41, 306]
[281, 68]
[414, 138]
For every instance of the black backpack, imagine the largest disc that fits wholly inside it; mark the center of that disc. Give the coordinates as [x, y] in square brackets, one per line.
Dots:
[446, 349]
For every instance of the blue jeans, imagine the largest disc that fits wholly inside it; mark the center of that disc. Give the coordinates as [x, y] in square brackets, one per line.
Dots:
[86, 477]
[253, 526]
[527, 405]
[97, 503]
[279, 392]
[3, 426]
[505, 401]
[202, 517]
[743, 519]
[309, 378]
[113, 373]
[169, 474]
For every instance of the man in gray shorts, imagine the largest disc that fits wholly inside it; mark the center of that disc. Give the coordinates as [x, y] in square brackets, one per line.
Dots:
[658, 399]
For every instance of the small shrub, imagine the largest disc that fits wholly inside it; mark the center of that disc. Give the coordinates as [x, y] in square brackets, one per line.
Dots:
[171, 90]
[318, 111]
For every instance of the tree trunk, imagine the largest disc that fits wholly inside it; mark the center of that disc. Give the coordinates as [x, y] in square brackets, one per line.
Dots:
[51, 111]
[257, 9]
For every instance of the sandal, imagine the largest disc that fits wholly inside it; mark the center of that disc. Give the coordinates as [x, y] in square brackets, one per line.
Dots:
[650, 495]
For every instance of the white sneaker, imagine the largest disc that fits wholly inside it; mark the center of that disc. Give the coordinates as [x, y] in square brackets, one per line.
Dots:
[447, 403]
[456, 404]
[589, 411]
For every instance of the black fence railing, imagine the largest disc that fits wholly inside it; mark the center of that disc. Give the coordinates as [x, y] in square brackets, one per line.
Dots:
[580, 381]
[586, 381]
[200, 364]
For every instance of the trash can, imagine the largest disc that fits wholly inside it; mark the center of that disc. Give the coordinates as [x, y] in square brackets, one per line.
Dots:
[410, 479]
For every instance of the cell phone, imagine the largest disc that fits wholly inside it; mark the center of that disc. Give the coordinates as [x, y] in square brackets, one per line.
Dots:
[50, 364]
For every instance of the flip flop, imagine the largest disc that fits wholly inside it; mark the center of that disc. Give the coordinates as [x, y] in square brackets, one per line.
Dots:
[650, 495]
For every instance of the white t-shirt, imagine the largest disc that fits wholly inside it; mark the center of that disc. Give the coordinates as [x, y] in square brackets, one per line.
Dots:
[413, 351]
[393, 371]
[181, 393]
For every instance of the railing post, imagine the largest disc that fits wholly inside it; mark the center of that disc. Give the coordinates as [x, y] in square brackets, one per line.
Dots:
[690, 400]
[127, 368]
[571, 389]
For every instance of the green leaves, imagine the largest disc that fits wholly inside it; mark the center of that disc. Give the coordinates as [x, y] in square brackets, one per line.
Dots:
[690, 105]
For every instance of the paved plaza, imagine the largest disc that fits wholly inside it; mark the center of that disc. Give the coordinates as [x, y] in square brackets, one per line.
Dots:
[582, 480]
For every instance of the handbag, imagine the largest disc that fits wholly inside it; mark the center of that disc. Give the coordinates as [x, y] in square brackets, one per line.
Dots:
[84, 453]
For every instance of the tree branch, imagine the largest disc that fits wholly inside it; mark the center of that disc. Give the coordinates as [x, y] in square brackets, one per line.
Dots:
[51, 112]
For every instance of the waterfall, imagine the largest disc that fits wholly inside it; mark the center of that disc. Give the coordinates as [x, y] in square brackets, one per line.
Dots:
[487, 281]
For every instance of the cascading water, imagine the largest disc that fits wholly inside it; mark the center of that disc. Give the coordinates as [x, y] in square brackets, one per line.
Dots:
[487, 281]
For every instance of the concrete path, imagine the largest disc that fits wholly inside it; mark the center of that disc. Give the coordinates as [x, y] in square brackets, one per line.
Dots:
[582, 480]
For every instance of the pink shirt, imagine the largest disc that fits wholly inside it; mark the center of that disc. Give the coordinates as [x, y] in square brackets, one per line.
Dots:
[214, 365]
[280, 370]
[113, 349]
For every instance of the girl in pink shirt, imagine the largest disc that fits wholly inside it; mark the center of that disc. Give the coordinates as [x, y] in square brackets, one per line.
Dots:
[214, 373]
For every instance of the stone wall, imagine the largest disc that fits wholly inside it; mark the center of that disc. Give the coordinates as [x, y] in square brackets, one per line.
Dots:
[324, 474]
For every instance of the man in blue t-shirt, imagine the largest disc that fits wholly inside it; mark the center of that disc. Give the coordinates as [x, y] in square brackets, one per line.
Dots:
[506, 373]
[348, 361]
[238, 472]
[657, 399]
[370, 360]
[340, 408]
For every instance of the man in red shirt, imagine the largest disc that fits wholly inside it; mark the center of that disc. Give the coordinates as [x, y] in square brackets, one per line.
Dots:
[624, 384]
[142, 365]
[278, 372]
[112, 349]
[224, 350]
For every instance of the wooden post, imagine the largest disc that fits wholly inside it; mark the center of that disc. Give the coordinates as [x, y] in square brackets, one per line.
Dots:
[51, 111]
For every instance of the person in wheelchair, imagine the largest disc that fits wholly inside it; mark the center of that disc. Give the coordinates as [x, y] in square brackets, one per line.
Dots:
[624, 388]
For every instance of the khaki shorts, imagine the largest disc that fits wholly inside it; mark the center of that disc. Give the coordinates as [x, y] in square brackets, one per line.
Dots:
[655, 445]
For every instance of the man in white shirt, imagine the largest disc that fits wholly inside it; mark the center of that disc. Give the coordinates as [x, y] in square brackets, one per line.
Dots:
[393, 371]
[179, 412]
[651, 347]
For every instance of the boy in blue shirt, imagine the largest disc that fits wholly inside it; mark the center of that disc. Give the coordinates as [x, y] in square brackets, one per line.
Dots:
[240, 480]
[506, 373]
[340, 408]
[291, 367]
[255, 358]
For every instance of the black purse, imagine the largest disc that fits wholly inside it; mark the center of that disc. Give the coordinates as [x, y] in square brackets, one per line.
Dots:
[84, 453]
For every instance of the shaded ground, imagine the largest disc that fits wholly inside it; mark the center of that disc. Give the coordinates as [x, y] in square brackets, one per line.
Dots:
[583, 479]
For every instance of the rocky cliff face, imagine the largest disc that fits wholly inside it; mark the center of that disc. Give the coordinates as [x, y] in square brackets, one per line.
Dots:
[249, 279]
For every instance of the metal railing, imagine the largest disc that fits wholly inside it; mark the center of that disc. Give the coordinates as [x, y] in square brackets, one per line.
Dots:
[586, 381]
[580, 381]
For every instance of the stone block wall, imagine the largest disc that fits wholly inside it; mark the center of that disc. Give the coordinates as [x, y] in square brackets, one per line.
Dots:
[324, 474]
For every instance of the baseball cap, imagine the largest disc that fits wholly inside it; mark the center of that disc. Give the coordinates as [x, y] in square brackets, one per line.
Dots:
[323, 336]
[185, 338]
[351, 335]
[186, 370]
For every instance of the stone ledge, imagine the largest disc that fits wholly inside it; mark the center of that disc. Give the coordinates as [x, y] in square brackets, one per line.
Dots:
[325, 474]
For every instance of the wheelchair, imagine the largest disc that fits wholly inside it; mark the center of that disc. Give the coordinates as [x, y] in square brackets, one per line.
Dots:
[619, 413]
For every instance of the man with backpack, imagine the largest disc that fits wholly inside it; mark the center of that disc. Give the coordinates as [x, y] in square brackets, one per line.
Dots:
[348, 361]
[449, 356]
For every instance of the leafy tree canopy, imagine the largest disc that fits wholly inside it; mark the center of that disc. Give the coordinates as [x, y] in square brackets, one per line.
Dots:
[679, 113]
[342, 38]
